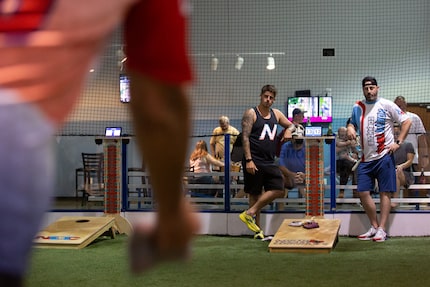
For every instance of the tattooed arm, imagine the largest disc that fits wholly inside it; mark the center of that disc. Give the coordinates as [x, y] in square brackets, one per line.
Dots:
[248, 119]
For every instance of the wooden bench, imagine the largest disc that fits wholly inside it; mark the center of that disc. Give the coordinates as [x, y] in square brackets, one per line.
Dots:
[144, 200]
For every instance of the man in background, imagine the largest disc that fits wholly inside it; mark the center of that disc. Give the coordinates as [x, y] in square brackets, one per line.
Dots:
[292, 162]
[346, 157]
[403, 158]
[416, 135]
[217, 144]
[47, 47]
[298, 116]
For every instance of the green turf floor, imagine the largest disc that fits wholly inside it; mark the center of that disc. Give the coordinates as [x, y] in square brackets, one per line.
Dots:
[241, 261]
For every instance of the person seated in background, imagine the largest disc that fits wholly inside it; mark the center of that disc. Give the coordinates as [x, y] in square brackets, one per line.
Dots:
[201, 162]
[298, 116]
[403, 157]
[416, 135]
[236, 160]
[292, 162]
[346, 158]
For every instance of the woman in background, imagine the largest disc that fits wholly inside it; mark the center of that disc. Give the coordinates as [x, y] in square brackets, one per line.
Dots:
[347, 155]
[200, 162]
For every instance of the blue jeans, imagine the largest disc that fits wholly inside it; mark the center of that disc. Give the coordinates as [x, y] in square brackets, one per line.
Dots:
[26, 182]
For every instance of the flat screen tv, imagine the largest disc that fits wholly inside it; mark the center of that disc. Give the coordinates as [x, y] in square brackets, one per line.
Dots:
[124, 88]
[306, 104]
[319, 109]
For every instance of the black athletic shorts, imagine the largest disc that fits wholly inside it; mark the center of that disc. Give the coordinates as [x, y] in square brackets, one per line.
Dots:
[268, 177]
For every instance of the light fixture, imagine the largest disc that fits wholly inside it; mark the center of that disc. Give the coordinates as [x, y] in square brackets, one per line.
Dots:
[214, 63]
[238, 57]
[270, 63]
[239, 63]
[122, 58]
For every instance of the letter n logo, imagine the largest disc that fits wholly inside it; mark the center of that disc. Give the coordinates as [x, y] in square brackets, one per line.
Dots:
[270, 133]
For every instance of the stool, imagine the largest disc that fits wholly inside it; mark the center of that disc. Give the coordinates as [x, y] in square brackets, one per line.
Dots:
[132, 170]
[93, 175]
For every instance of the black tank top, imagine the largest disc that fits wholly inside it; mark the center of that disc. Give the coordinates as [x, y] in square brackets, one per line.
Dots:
[262, 139]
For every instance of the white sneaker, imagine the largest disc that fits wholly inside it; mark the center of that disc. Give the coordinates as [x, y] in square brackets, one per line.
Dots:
[368, 235]
[380, 235]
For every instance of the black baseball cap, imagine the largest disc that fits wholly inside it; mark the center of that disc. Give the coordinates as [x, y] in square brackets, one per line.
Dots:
[369, 81]
[297, 111]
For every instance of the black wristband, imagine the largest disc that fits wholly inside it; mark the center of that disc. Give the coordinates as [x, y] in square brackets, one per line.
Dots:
[248, 159]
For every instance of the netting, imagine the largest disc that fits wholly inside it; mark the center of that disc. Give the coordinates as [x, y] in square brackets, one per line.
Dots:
[321, 46]
[100, 105]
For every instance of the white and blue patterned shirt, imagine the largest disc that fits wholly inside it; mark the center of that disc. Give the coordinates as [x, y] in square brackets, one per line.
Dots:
[374, 122]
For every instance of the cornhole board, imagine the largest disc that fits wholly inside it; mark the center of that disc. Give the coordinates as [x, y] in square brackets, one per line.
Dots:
[74, 232]
[301, 240]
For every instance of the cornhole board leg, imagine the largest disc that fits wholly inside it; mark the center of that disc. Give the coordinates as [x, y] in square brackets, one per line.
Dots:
[301, 240]
[122, 225]
[74, 232]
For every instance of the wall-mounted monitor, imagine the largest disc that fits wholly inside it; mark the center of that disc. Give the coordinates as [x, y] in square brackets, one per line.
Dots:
[124, 88]
[319, 109]
[325, 109]
[113, 131]
[306, 104]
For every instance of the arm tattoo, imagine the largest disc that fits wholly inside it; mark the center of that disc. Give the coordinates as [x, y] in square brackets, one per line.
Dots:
[247, 122]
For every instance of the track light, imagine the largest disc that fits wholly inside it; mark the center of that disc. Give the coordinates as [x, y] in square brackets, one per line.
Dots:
[270, 63]
[122, 58]
[239, 63]
[214, 63]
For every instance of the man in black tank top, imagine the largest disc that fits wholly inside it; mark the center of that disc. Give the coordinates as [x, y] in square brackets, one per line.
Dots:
[259, 131]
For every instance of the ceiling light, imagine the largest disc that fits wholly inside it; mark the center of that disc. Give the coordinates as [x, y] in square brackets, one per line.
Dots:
[239, 63]
[270, 63]
[214, 63]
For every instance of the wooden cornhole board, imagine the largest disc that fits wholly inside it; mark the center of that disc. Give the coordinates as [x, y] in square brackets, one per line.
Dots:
[302, 240]
[74, 232]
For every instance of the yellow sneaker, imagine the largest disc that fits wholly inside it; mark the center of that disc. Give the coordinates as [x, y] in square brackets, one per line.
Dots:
[249, 221]
[259, 235]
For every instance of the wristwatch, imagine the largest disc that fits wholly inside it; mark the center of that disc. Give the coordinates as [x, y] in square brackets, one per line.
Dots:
[398, 142]
[248, 159]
